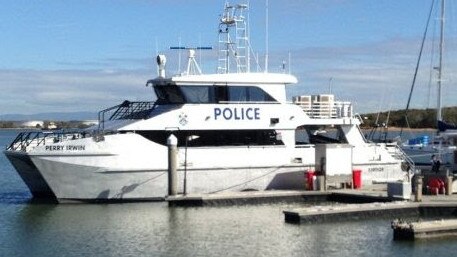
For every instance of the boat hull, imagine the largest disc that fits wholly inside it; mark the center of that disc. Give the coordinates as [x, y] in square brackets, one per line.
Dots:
[30, 174]
[128, 167]
[71, 182]
[422, 157]
[75, 182]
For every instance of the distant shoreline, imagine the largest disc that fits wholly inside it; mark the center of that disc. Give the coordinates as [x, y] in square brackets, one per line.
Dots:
[404, 129]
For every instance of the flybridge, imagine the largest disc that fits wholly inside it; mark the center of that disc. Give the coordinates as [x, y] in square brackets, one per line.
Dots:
[234, 49]
[192, 65]
[231, 78]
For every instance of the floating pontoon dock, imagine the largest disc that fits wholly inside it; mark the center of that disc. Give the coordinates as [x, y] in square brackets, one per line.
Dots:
[424, 229]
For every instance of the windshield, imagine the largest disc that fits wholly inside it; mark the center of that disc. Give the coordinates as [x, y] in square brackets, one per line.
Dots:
[172, 94]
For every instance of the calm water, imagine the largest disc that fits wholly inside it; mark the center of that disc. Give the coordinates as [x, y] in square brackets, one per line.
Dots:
[153, 229]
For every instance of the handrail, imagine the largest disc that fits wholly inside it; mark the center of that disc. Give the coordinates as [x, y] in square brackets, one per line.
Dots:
[125, 111]
[406, 158]
[37, 138]
[326, 110]
[23, 139]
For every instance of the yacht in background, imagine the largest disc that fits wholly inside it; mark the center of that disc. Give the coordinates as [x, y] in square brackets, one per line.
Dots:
[442, 145]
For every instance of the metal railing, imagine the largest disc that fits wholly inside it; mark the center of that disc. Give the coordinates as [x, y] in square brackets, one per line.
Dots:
[399, 153]
[326, 110]
[25, 140]
[125, 111]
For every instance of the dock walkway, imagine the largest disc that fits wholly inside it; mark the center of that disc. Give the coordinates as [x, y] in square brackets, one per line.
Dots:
[424, 229]
[346, 204]
[431, 206]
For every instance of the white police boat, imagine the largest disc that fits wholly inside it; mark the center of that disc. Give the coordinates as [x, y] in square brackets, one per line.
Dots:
[236, 131]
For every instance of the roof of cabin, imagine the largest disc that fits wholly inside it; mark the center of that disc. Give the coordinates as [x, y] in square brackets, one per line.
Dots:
[235, 78]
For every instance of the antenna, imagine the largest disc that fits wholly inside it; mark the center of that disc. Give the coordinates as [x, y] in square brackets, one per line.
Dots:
[179, 55]
[290, 64]
[266, 36]
[248, 34]
[330, 85]
[157, 54]
[234, 46]
[192, 65]
[157, 46]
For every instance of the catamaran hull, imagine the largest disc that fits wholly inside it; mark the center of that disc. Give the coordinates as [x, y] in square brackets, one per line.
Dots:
[135, 169]
[30, 174]
[71, 182]
[47, 177]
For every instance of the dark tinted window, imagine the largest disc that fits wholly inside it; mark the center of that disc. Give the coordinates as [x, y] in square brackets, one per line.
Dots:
[169, 94]
[215, 137]
[198, 94]
[172, 94]
[258, 95]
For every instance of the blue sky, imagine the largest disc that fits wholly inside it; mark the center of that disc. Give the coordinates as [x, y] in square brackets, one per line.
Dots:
[88, 55]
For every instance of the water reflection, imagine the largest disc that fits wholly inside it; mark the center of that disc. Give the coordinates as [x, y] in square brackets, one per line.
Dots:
[154, 229]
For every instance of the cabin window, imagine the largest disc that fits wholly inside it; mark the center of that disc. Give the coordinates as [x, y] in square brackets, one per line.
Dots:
[319, 135]
[258, 95]
[248, 94]
[169, 94]
[198, 94]
[238, 94]
[172, 94]
[216, 137]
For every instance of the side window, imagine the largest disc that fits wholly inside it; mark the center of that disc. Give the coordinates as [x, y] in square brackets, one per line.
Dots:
[174, 95]
[169, 94]
[237, 94]
[248, 94]
[198, 94]
[258, 95]
[221, 93]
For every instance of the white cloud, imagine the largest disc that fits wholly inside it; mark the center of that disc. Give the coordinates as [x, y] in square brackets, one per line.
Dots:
[362, 74]
[32, 91]
[373, 76]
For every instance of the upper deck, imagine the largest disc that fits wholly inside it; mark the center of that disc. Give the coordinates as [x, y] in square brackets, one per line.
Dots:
[228, 78]
[272, 84]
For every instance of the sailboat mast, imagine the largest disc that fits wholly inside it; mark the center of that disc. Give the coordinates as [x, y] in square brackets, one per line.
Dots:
[440, 67]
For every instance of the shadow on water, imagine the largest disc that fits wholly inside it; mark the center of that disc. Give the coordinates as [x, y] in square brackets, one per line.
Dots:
[23, 197]
[20, 197]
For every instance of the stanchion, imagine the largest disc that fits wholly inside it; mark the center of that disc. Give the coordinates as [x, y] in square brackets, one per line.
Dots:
[449, 180]
[418, 193]
[172, 143]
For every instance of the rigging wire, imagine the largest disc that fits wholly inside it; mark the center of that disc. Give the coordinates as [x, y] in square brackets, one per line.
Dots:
[417, 65]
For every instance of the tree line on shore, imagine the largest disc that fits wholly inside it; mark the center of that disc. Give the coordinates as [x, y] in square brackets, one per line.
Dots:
[416, 118]
[46, 124]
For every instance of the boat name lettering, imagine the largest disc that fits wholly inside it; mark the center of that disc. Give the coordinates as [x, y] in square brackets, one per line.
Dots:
[376, 169]
[237, 113]
[65, 147]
